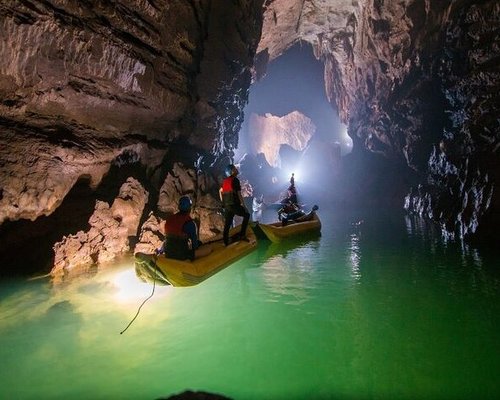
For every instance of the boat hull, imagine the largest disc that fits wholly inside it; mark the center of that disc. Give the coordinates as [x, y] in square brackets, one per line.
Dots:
[189, 273]
[275, 232]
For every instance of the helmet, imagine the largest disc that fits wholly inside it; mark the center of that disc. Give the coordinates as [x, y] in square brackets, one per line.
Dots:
[185, 204]
[229, 170]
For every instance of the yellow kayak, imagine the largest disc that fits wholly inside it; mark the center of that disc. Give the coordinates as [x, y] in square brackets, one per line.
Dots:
[276, 232]
[189, 273]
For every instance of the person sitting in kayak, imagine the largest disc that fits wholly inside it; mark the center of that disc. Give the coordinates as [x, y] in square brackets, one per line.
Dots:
[233, 203]
[181, 234]
[291, 212]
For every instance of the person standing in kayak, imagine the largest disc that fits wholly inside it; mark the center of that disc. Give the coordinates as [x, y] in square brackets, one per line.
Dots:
[233, 203]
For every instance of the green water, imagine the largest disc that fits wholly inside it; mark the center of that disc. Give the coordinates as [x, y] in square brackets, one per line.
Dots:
[380, 310]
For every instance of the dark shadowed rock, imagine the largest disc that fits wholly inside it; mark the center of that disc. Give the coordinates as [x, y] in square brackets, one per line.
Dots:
[200, 395]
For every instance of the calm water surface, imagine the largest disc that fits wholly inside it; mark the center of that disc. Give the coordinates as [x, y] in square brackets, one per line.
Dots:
[378, 309]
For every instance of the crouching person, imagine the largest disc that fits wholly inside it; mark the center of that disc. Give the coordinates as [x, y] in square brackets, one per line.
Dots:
[181, 234]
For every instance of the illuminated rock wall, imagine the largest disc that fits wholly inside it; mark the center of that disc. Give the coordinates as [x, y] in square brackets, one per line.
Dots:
[267, 133]
[81, 82]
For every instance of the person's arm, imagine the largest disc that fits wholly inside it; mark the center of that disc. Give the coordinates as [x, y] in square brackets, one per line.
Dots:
[191, 230]
[220, 193]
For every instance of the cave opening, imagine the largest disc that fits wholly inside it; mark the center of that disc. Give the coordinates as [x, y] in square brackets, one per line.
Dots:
[295, 82]
[290, 126]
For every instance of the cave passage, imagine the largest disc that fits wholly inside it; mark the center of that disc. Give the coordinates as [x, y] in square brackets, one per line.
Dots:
[295, 81]
[289, 116]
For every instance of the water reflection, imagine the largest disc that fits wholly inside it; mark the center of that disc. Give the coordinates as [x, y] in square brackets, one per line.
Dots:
[115, 289]
[355, 257]
[433, 239]
[422, 227]
[288, 269]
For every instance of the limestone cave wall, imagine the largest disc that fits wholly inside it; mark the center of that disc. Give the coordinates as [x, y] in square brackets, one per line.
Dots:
[111, 110]
[95, 92]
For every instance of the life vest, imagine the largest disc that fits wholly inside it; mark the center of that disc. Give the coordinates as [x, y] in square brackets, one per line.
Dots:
[174, 224]
[228, 194]
[177, 245]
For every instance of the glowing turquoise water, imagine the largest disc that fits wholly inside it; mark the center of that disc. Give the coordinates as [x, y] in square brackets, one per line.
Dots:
[380, 310]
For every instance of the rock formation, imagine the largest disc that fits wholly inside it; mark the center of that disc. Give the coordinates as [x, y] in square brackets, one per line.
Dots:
[269, 132]
[199, 186]
[92, 93]
[110, 230]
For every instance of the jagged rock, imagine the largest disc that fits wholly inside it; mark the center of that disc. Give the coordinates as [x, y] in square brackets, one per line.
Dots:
[269, 132]
[246, 188]
[93, 80]
[127, 207]
[139, 67]
[108, 236]
[178, 182]
[151, 236]
[83, 83]
[456, 198]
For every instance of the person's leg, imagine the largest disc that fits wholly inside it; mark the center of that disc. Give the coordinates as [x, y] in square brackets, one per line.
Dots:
[242, 212]
[244, 224]
[228, 221]
[295, 216]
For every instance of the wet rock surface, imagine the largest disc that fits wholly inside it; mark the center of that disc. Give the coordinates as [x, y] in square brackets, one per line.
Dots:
[109, 233]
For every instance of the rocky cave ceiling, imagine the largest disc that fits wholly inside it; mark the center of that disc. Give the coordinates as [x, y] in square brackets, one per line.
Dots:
[158, 87]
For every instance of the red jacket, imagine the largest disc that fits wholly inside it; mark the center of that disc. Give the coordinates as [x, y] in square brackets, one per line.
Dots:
[229, 196]
[227, 184]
